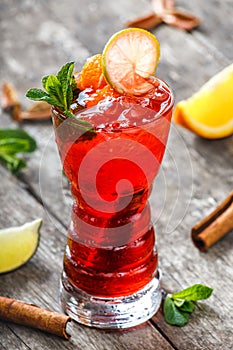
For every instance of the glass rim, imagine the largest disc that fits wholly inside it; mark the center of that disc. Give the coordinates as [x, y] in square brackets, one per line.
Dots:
[157, 116]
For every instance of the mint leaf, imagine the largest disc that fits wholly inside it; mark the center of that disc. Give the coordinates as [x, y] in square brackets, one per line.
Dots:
[59, 93]
[54, 89]
[80, 123]
[12, 163]
[178, 306]
[69, 95]
[14, 141]
[187, 306]
[66, 72]
[65, 78]
[173, 315]
[59, 89]
[184, 305]
[73, 83]
[195, 292]
[40, 95]
[179, 302]
[36, 94]
[44, 80]
[12, 146]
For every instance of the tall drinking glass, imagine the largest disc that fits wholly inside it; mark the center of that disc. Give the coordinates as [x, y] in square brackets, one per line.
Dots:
[110, 277]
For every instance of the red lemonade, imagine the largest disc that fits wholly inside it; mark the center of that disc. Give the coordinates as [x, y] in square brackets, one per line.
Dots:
[111, 242]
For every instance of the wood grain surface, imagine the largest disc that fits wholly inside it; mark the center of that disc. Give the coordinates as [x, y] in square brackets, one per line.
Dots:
[36, 38]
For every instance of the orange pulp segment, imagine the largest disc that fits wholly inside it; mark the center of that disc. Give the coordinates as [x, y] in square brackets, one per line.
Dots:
[91, 75]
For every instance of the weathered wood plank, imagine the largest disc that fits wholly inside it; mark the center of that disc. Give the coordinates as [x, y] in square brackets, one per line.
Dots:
[215, 30]
[6, 340]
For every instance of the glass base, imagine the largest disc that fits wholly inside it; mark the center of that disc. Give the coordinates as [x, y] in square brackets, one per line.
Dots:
[111, 313]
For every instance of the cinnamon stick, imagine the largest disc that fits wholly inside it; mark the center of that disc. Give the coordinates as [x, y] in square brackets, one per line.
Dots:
[39, 110]
[34, 316]
[215, 226]
[10, 103]
[165, 11]
[145, 22]
[10, 100]
[181, 20]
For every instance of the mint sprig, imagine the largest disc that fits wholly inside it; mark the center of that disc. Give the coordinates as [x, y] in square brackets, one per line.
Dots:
[59, 89]
[58, 92]
[178, 306]
[13, 141]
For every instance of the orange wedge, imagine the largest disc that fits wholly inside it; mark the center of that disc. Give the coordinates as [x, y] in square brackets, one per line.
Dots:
[209, 112]
[91, 75]
[129, 58]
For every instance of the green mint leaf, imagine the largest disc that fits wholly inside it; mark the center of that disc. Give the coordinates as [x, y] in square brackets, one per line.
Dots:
[40, 95]
[59, 89]
[54, 89]
[12, 163]
[193, 293]
[36, 94]
[44, 80]
[12, 146]
[69, 96]
[65, 77]
[83, 124]
[187, 306]
[66, 72]
[59, 93]
[73, 83]
[179, 302]
[52, 101]
[173, 315]
[16, 140]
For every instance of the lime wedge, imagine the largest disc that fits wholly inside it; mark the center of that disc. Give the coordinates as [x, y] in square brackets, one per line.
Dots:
[129, 58]
[18, 245]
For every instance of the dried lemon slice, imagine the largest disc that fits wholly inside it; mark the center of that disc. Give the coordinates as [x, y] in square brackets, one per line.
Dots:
[129, 58]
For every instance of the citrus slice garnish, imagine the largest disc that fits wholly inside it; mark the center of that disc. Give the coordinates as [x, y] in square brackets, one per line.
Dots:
[91, 75]
[209, 112]
[129, 58]
[18, 245]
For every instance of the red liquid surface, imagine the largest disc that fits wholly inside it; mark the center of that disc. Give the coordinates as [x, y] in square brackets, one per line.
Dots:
[111, 241]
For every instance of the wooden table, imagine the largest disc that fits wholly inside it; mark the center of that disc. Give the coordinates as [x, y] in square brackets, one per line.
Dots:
[37, 37]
